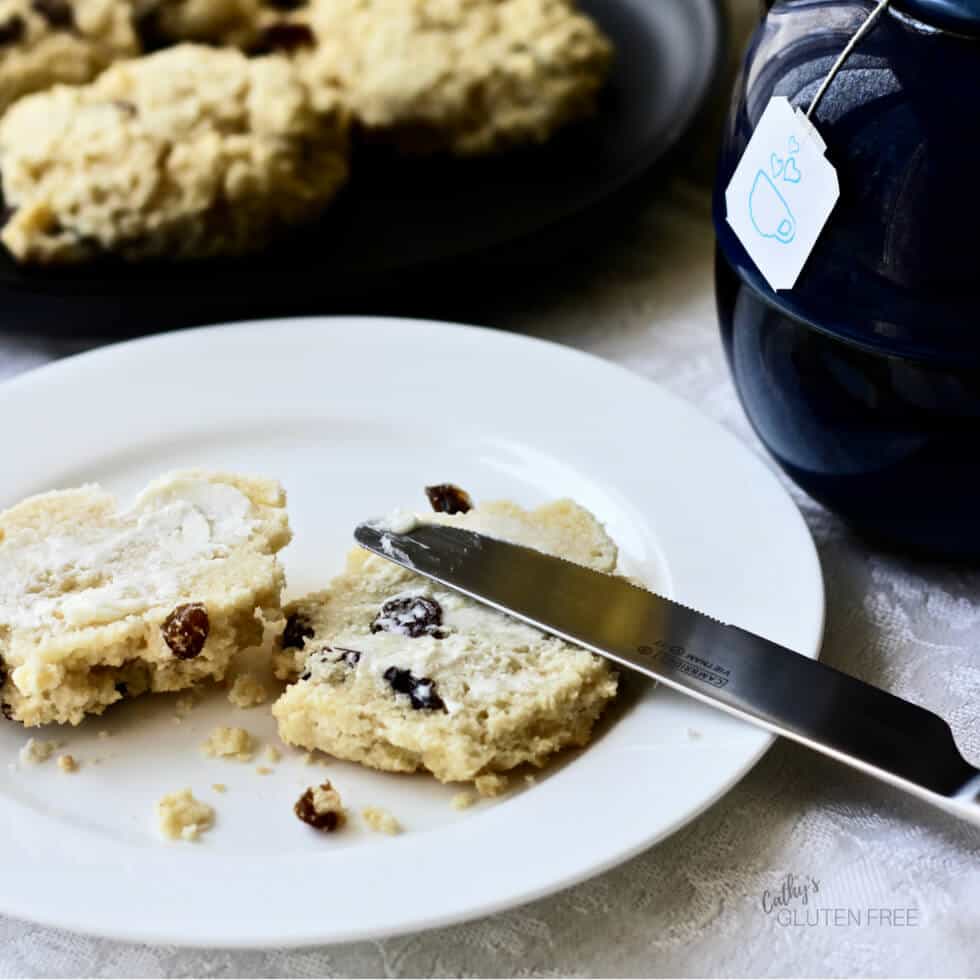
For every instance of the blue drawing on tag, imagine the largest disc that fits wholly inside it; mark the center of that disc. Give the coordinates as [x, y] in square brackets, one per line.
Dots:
[771, 215]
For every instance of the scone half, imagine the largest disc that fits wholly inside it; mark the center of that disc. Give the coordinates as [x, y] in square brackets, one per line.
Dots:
[400, 674]
[98, 603]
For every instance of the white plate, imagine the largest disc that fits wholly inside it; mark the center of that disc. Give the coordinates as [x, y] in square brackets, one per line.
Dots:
[355, 416]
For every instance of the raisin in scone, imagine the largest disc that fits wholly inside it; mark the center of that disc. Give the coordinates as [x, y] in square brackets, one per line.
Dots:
[463, 76]
[98, 603]
[44, 42]
[190, 152]
[398, 673]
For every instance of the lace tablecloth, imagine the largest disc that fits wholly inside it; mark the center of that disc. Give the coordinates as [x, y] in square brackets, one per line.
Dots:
[805, 868]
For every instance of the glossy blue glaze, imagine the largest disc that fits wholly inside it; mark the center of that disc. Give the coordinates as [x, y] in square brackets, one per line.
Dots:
[864, 380]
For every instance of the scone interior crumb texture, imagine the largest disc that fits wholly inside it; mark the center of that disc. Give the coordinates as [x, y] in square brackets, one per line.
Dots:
[98, 603]
[400, 674]
[180, 816]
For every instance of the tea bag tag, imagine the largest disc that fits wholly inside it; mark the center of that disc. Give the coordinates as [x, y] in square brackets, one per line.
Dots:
[782, 193]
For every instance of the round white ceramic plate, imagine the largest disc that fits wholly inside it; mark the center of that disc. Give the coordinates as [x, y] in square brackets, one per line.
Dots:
[355, 416]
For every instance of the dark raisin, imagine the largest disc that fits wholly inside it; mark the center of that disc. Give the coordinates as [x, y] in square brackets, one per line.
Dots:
[447, 498]
[410, 615]
[3, 672]
[6, 710]
[57, 13]
[122, 689]
[286, 5]
[298, 630]
[125, 107]
[6, 213]
[284, 37]
[421, 690]
[336, 655]
[12, 29]
[186, 630]
[150, 31]
[305, 809]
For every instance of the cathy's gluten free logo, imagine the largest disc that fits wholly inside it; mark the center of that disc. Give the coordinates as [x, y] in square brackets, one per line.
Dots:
[797, 902]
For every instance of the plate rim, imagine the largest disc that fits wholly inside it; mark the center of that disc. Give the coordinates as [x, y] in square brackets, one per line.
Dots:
[328, 325]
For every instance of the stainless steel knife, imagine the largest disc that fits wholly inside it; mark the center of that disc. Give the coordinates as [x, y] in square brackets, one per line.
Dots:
[724, 666]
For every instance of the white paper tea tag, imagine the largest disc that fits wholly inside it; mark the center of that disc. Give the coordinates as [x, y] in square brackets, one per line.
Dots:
[782, 193]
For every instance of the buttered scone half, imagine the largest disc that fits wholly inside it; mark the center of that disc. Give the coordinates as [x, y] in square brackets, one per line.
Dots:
[99, 603]
[463, 76]
[191, 152]
[399, 673]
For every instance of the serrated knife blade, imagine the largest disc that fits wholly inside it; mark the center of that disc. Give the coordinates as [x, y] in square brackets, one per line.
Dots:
[718, 664]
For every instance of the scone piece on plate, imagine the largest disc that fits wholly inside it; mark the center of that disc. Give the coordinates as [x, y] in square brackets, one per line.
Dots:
[98, 603]
[190, 152]
[44, 42]
[401, 674]
[463, 76]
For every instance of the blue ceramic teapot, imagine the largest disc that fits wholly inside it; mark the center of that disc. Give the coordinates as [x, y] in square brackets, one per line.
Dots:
[863, 380]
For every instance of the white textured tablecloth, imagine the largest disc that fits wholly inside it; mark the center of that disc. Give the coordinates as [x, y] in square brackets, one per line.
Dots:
[899, 885]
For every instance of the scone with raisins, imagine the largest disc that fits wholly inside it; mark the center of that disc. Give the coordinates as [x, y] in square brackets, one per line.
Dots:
[46, 42]
[398, 673]
[191, 152]
[98, 603]
[460, 76]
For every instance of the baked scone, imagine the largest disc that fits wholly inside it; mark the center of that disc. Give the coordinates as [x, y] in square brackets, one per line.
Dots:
[398, 673]
[98, 603]
[44, 42]
[190, 152]
[464, 76]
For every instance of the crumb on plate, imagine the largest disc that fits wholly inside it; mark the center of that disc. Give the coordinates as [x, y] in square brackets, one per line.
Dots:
[219, 787]
[321, 807]
[229, 743]
[462, 801]
[381, 820]
[67, 763]
[182, 817]
[491, 784]
[38, 750]
[272, 754]
[247, 691]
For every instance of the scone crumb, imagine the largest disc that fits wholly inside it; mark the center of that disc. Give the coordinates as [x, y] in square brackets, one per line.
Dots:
[381, 820]
[491, 784]
[247, 691]
[185, 704]
[314, 759]
[272, 754]
[263, 770]
[321, 807]
[38, 750]
[229, 743]
[219, 787]
[67, 763]
[182, 817]
[462, 801]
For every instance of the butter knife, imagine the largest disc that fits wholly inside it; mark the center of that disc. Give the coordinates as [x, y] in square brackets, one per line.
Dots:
[716, 663]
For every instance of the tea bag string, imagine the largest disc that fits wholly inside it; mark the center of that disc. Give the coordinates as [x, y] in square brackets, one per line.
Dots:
[862, 32]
